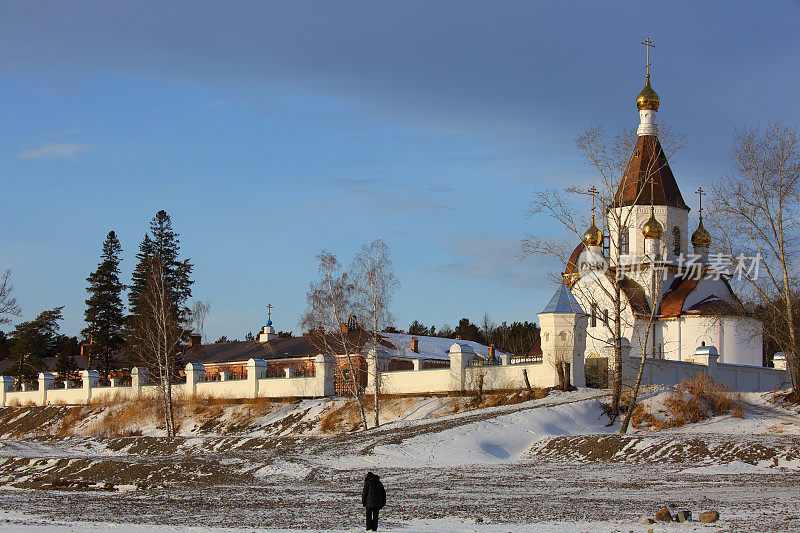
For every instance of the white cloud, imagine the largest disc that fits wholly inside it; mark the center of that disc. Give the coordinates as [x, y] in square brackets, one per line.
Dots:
[54, 151]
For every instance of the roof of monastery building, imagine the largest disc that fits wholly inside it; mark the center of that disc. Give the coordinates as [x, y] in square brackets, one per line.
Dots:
[393, 344]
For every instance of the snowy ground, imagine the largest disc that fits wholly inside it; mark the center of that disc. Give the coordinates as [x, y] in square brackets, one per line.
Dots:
[547, 465]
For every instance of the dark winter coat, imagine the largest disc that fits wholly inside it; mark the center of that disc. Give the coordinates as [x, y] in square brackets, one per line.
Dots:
[374, 495]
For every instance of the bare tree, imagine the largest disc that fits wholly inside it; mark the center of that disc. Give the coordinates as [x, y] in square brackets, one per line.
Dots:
[644, 336]
[374, 285]
[329, 306]
[200, 311]
[604, 282]
[155, 335]
[487, 327]
[8, 303]
[755, 211]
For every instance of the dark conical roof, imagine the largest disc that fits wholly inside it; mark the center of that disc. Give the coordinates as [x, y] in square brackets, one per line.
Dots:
[563, 301]
[649, 161]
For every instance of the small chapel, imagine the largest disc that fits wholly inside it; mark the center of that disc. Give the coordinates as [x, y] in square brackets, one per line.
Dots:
[673, 299]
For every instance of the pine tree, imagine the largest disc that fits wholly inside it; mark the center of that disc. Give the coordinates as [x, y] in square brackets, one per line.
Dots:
[104, 310]
[33, 340]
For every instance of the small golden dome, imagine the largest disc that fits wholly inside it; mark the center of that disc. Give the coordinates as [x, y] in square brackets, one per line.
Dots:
[648, 98]
[701, 238]
[652, 229]
[593, 235]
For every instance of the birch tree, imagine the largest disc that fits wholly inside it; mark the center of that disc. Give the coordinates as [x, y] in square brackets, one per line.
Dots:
[155, 335]
[200, 312]
[374, 284]
[329, 306]
[8, 302]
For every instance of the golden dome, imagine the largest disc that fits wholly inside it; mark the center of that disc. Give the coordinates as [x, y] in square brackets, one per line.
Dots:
[701, 238]
[593, 235]
[648, 98]
[652, 229]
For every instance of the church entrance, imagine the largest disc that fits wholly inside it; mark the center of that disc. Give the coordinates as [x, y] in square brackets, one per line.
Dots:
[596, 372]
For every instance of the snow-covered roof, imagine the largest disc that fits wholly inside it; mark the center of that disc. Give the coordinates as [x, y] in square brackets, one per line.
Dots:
[429, 347]
[563, 301]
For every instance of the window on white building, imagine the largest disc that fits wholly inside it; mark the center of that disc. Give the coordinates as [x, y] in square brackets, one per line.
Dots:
[676, 240]
[624, 241]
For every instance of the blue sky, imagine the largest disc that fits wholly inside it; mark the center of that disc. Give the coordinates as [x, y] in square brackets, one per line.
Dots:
[272, 130]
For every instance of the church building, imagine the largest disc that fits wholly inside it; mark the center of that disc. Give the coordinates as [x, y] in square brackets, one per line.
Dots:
[673, 299]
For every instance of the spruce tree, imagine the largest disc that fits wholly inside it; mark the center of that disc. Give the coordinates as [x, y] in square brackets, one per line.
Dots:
[104, 311]
[139, 278]
[162, 242]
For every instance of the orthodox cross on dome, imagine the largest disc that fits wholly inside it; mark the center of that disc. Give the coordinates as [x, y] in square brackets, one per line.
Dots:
[594, 193]
[648, 44]
[700, 192]
[269, 314]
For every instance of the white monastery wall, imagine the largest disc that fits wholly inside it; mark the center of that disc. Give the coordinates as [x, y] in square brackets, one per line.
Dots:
[741, 378]
[415, 381]
[237, 388]
[288, 387]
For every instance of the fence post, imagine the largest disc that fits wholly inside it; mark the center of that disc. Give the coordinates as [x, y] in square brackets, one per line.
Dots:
[461, 356]
[382, 360]
[90, 380]
[417, 363]
[708, 356]
[290, 371]
[138, 380]
[194, 374]
[6, 386]
[505, 359]
[46, 380]
[324, 375]
[256, 369]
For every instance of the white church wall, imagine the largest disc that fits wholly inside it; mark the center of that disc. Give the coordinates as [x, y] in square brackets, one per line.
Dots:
[637, 216]
[695, 330]
[670, 335]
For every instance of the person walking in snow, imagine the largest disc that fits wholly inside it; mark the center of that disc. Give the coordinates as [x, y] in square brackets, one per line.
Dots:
[373, 498]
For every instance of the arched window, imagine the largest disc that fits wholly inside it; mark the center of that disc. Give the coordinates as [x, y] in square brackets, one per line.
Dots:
[624, 241]
[593, 321]
[676, 240]
[547, 337]
[563, 336]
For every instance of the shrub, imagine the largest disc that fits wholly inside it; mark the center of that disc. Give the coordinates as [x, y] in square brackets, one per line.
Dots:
[696, 398]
